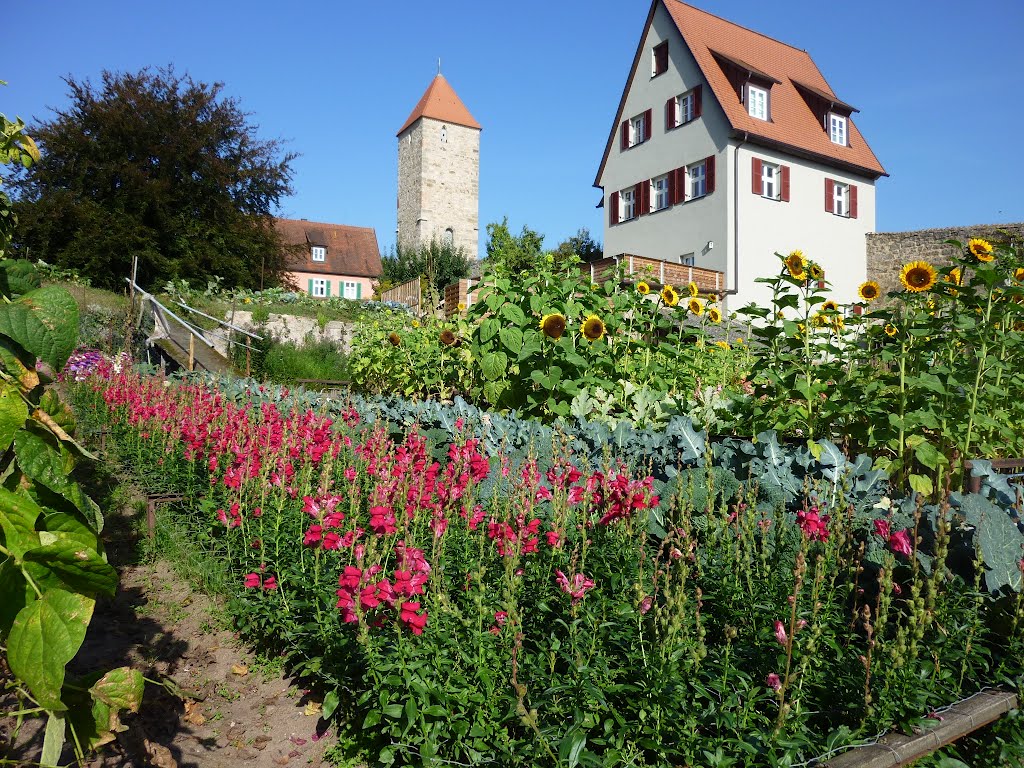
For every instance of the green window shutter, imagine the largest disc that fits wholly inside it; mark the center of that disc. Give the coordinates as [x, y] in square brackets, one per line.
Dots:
[311, 286]
[359, 290]
[327, 293]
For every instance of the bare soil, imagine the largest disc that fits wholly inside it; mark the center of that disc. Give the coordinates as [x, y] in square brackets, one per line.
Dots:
[218, 704]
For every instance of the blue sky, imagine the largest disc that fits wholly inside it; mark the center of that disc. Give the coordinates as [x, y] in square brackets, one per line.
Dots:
[938, 85]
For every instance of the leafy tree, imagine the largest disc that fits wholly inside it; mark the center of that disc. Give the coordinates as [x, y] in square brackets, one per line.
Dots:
[15, 147]
[158, 166]
[440, 262]
[580, 246]
[509, 254]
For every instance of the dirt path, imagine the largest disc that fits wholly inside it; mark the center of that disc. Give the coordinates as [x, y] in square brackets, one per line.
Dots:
[222, 707]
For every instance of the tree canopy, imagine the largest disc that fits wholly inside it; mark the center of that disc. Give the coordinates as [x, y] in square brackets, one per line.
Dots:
[580, 246]
[509, 254]
[440, 262]
[159, 166]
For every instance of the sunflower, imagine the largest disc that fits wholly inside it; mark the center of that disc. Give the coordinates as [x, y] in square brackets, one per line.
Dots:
[696, 306]
[954, 276]
[980, 249]
[917, 276]
[816, 272]
[692, 289]
[890, 330]
[869, 291]
[395, 339]
[415, 323]
[643, 288]
[829, 306]
[447, 337]
[820, 320]
[461, 307]
[796, 264]
[714, 314]
[722, 345]
[593, 328]
[838, 323]
[553, 325]
[669, 295]
[1018, 274]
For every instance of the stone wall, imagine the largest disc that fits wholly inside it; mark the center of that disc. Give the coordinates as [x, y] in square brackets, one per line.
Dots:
[889, 251]
[291, 328]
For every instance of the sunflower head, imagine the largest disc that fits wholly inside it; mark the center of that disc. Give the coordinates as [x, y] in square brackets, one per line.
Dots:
[643, 288]
[553, 325]
[869, 291]
[820, 320]
[980, 249]
[696, 306]
[796, 264]
[890, 330]
[395, 339]
[447, 337]
[692, 289]
[714, 314]
[722, 344]
[829, 306]
[816, 271]
[838, 322]
[917, 276]
[593, 328]
[954, 276]
[461, 307]
[1018, 274]
[669, 295]
[415, 323]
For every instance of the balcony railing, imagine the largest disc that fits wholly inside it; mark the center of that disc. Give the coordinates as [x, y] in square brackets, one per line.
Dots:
[664, 272]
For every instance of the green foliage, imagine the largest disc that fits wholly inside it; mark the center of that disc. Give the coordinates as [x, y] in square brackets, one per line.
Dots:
[579, 247]
[509, 254]
[52, 566]
[287, 363]
[159, 166]
[16, 146]
[441, 263]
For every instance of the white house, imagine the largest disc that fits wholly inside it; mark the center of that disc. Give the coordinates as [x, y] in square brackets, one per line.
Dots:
[729, 146]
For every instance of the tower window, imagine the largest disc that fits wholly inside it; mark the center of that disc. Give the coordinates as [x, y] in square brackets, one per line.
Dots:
[449, 236]
[444, 134]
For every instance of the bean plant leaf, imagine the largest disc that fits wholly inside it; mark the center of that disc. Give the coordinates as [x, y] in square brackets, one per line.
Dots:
[50, 465]
[13, 413]
[80, 568]
[46, 635]
[16, 595]
[53, 739]
[19, 364]
[120, 688]
[18, 276]
[493, 365]
[44, 322]
[18, 515]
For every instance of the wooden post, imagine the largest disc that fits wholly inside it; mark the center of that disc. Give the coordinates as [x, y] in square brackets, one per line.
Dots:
[151, 519]
[191, 351]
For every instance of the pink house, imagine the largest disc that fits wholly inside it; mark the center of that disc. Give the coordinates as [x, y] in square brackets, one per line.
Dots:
[331, 259]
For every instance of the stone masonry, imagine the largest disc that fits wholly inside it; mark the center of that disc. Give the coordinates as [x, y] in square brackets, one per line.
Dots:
[889, 251]
[439, 184]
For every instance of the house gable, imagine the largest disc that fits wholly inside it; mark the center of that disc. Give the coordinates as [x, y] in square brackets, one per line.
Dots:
[348, 251]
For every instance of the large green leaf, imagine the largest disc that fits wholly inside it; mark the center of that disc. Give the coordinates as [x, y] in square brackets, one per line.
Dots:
[67, 562]
[44, 322]
[18, 515]
[17, 276]
[120, 688]
[493, 365]
[50, 465]
[15, 594]
[46, 635]
[19, 364]
[13, 413]
[58, 526]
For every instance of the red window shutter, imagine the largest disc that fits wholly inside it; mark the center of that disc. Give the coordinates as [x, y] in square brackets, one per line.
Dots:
[756, 170]
[613, 208]
[784, 172]
[697, 101]
[709, 173]
[638, 200]
[648, 124]
[679, 174]
[829, 194]
[853, 201]
[671, 181]
[625, 134]
[670, 114]
[645, 187]
[661, 58]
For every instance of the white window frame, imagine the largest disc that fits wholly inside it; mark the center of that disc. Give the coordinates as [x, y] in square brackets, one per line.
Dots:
[841, 198]
[757, 102]
[659, 193]
[686, 259]
[837, 129]
[319, 288]
[318, 253]
[685, 104]
[771, 181]
[697, 180]
[627, 204]
[638, 129]
[350, 290]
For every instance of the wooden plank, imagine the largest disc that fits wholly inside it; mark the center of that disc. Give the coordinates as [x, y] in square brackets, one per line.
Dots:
[954, 723]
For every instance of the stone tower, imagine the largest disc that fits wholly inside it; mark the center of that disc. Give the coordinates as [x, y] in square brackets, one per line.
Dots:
[439, 171]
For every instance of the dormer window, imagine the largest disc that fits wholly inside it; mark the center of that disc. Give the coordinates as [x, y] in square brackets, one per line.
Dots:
[318, 253]
[837, 129]
[757, 102]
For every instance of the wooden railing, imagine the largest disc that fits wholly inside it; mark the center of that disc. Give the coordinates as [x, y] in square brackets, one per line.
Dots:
[663, 272]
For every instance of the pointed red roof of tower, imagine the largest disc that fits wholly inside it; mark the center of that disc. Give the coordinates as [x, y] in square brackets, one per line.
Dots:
[441, 103]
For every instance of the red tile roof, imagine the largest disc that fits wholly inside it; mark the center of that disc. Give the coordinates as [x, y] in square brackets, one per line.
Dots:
[441, 103]
[351, 251]
[719, 45]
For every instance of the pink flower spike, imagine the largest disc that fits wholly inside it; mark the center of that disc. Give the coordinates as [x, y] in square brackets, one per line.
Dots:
[252, 580]
[899, 542]
[780, 633]
[882, 528]
[270, 583]
[773, 681]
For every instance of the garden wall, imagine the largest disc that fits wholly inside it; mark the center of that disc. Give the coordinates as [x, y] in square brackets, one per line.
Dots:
[294, 329]
[888, 251]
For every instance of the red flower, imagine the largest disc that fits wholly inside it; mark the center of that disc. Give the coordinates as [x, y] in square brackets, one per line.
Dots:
[412, 618]
[252, 580]
[815, 527]
[882, 528]
[313, 535]
[577, 588]
[350, 578]
[773, 681]
[270, 583]
[900, 543]
[780, 633]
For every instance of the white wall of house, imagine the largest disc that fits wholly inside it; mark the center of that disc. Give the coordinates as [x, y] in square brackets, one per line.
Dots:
[837, 243]
[685, 228]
